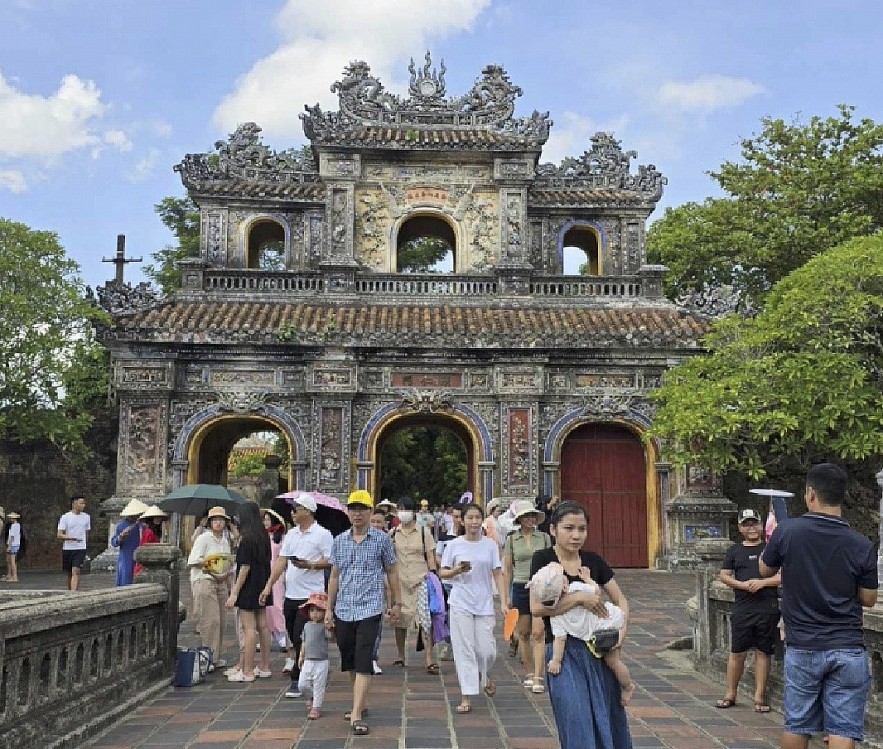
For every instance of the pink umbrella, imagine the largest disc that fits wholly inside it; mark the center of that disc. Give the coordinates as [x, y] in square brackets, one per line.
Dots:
[324, 500]
[331, 512]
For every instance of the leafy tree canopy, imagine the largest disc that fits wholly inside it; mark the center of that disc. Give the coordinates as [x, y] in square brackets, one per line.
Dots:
[181, 217]
[799, 189]
[802, 381]
[53, 375]
[421, 255]
[423, 463]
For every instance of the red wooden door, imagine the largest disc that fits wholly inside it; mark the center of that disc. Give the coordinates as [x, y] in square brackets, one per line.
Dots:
[603, 468]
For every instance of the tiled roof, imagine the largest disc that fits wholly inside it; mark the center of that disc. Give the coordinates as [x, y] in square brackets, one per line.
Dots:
[219, 322]
[241, 188]
[436, 138]
[578, 196]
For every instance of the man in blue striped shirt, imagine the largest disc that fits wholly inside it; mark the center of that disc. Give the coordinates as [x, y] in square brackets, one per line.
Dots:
[360, 559]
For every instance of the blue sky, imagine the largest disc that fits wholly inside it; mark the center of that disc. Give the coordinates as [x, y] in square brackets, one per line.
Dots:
[100, 98]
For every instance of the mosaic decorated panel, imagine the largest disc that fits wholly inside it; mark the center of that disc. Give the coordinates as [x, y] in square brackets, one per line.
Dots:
[135, 377]
[427, 379]
[235, 378]
[142, 444]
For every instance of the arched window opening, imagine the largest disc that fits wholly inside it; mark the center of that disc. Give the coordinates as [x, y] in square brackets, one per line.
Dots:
[266, 246]
[581, 255]
[426, 244]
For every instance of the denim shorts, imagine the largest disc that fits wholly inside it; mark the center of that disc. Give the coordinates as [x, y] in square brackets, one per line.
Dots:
[826, 690]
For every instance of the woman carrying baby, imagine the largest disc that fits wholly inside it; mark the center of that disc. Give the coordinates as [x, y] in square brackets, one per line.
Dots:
[584, 685]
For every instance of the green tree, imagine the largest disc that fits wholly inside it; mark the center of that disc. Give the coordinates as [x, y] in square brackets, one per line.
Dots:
[53, 375]
[422, 254]
[181, 217]
[799, 383]
[799, 189]
[424, 462]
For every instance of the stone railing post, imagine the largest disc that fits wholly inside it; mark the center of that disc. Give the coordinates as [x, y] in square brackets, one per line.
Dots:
[161, 566]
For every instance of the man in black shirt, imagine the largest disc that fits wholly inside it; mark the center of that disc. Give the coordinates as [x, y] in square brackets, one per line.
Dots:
[755, 614]
[829, 573]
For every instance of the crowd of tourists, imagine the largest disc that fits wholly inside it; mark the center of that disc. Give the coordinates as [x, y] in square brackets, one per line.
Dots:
[439, 578]
[442, 576]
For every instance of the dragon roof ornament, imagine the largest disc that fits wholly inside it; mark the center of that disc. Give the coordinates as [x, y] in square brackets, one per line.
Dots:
[364, 103]
[605, 165]
[245, 157]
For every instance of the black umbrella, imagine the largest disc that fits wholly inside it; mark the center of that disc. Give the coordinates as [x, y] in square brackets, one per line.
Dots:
[198, 499]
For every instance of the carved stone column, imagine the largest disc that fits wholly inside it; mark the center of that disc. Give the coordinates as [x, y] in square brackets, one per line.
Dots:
[161, 565]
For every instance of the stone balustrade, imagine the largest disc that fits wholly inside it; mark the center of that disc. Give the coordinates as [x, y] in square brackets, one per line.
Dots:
[418, 285]
[710, 612]
[72, 662]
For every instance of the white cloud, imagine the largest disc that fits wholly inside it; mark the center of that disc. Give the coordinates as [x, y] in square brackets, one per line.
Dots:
[45, 127]
[12, 180]
[162, 129]
[119, 140]
[145, 166]
[706, 93]
[319, 39]
[571, 135]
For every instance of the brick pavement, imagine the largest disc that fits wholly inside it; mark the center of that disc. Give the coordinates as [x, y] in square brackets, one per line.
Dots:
[410, 709]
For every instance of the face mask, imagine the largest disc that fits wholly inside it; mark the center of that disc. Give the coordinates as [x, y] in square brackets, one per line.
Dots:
[406, 516]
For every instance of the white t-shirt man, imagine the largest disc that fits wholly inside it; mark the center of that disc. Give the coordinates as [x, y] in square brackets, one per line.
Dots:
[311, 545]
[14, 540]
[77, 525]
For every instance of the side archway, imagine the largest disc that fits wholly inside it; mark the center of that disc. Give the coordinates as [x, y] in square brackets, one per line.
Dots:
[188, 444]
[582, 243]
[265, 242]
[607, 466]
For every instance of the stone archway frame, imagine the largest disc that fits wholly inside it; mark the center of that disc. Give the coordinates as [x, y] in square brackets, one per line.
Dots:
[189, 440]
[461, 251]
[470, 420]
[245, 230]
[635, 422]
[603, 243]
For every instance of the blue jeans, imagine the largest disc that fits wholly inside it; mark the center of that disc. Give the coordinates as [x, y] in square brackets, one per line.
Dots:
[826, 690]
[585, 699]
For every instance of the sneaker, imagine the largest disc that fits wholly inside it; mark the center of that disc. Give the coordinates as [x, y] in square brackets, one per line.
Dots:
[289, 665]
[377, 669]
[292, 692]
[262, 674]
[231, 671]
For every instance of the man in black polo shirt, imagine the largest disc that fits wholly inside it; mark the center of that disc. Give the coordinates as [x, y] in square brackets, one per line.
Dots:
[828, 573]
[755, 613]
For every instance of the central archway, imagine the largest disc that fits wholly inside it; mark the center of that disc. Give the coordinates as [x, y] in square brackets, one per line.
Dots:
[458, 418]
[426, 457]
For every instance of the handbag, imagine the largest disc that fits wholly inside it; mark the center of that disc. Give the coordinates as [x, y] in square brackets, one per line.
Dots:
[602, 642]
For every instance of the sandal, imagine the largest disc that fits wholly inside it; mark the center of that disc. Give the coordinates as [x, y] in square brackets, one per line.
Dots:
[761, 707]
[349, 715]
[432, 669]
[463, 709]
[398, 662]
[360, 728]
[725, 704]
[490, 689]
[314, 713]
[528, 681]
[538, 687]
[240, 677]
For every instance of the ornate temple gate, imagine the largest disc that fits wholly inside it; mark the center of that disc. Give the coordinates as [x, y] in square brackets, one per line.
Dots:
[297, 314]
[604, 469]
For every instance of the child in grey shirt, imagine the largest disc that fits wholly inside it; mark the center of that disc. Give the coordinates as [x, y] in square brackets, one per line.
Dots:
[314, 654]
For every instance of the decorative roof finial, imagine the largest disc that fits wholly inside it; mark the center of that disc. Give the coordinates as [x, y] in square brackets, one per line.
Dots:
[428, 83]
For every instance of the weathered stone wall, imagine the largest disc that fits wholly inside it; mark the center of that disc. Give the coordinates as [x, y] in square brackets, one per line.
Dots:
[37, 481]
